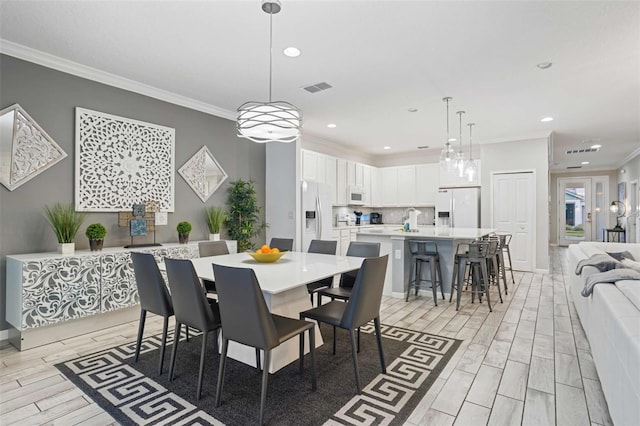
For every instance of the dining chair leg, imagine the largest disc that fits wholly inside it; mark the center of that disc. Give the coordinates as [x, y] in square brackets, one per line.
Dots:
[334, 339]
[358, 339]
[203, 352]
[143, 316]
[434, 280]
[460, 273]
[354, 355]
[258, 366]
[163, 344]
[187, 329]
[223, 359]
[301, 352]
[265, 380]
[376, 322]
[176, 339]
[312, 351]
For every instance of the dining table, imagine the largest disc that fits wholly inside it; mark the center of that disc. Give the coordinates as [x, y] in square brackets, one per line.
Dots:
[283, 284]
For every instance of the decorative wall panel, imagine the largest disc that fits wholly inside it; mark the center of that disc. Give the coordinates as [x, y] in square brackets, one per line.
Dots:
[26, 150]
[121, 162]
[203, 173]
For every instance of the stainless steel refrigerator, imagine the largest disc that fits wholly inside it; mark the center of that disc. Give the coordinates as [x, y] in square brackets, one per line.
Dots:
[458, 207]
[316, 212]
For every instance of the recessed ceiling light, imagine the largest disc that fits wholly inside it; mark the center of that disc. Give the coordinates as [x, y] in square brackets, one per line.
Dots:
[452, 139]
[413, 110]
[546, 119]
[292, 52]
[332, 125]
[596, 146]
[387, 147]
[544, 65]
[584, 163]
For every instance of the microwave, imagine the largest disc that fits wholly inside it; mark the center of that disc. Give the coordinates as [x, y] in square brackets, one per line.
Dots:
[355, 196]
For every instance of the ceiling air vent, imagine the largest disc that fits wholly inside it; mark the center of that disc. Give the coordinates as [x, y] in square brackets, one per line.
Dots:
[581, 150]
[318, 87]
[423, 147]
[574, 167]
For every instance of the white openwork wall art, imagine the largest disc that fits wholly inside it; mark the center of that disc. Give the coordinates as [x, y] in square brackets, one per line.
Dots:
[203, 173]
[121, 162]
[26, 150]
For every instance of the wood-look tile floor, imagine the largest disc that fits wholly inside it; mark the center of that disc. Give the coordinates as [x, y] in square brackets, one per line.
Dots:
[528, 362]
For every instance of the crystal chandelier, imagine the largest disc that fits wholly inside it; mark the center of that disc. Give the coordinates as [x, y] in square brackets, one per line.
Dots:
[459, 160]
[271, 121]
[470, 168]
[447, 154]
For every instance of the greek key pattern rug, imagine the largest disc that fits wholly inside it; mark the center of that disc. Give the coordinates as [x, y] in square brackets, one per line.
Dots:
[414, 361]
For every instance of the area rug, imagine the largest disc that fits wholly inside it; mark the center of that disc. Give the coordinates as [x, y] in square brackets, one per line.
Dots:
[134, 394]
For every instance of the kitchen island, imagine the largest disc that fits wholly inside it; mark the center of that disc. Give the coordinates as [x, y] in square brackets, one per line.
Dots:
[395, 242]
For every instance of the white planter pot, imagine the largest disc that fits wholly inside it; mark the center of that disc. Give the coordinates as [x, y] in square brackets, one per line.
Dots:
[214, 237]
[67, 248]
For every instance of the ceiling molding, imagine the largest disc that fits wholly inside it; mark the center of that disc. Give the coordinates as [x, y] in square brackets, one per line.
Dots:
[630, 157]
[50, 61]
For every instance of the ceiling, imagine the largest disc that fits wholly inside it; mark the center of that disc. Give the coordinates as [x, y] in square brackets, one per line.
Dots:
[381, 57]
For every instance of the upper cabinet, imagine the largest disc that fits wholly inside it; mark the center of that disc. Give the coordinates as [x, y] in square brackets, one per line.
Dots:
[402, 186]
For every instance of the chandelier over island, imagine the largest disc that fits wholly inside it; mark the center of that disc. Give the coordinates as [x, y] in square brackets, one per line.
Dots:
[272, 121]
[447, 155]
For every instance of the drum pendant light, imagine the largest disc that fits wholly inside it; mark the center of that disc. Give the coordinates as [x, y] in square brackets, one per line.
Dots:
[273, 121]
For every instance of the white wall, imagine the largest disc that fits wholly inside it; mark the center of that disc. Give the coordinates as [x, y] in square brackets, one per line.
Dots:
[282, 189]
[513, 156]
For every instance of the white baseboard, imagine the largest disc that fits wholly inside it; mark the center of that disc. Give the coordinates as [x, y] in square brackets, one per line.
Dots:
[426, 293]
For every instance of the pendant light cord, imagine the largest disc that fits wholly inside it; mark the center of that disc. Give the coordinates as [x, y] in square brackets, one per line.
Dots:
[270, 51]
[470, 138]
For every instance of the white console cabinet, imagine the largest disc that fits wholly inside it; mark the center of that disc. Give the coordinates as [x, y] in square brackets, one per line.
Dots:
[51, 296]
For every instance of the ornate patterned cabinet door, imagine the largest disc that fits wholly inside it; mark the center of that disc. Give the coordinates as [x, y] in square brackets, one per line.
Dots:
[60, 289]
[119, 288]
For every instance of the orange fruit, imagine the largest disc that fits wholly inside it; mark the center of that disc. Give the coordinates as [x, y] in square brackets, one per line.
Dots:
[265, 249]
[259, 251]
[275, 250]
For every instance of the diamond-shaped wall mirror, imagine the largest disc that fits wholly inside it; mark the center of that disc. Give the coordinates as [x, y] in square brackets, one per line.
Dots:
[26, 150]
[203, 173]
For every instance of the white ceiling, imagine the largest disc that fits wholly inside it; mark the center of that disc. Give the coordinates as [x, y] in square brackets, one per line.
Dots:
[381, 57]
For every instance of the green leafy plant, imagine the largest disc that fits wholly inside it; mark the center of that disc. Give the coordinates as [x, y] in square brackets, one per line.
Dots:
[243, 220]
[96, 231]
[215, 218]
[65, 221]
[183, 228]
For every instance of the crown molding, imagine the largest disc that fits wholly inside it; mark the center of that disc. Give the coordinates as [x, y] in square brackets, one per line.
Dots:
[50, 61]
[629, 157]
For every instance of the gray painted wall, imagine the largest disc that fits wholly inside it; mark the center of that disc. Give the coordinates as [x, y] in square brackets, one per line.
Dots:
[50, 97]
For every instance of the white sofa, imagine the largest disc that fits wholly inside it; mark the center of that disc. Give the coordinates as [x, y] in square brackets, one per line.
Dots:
[610, 318]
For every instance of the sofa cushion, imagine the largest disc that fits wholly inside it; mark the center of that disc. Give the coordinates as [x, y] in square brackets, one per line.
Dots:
[631, 289]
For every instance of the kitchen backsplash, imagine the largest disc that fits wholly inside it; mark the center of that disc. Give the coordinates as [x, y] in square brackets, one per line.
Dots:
[390, 215]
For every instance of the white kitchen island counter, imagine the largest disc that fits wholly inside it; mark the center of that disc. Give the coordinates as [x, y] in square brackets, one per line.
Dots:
[395, 243]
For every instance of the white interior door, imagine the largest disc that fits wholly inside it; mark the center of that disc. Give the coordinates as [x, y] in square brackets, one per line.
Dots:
[582, 209]
[513, 212]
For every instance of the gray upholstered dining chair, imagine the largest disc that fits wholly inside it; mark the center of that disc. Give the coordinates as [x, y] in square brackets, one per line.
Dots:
[343, 291]
[154, 298]
[282, 244]
[212, 248]
[362, 307]
[321, 247]
[247, 320]
[192, 308]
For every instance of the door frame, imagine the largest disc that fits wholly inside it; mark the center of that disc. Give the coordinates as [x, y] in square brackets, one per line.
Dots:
[534, 216]
[561, 212]
[607, 199]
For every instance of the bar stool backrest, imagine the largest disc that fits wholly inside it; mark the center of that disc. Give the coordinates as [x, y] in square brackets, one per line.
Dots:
[478, 249]
[423, 247]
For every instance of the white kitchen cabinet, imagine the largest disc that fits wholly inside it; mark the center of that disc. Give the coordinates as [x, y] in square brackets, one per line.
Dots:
[427, 183]
[389, 186]
[375, 197]
[406, 185]
[341, 182]
[331, 178]
[345, 240]
[366, 184]
[309, 165]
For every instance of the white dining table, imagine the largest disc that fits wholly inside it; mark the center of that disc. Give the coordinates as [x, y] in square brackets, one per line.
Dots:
[283, 285]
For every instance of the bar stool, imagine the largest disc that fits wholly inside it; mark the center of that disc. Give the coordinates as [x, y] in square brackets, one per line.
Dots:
[425, 253]
[492, 262]
[475, 257]
[505, 239]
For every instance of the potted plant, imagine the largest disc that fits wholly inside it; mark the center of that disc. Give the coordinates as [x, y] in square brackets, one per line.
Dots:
[243, 221]
[66, 222]
[96, 233]
[183, 229]
[215, 218]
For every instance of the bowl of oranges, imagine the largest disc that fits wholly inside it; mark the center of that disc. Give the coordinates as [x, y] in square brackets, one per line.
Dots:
[266, 254]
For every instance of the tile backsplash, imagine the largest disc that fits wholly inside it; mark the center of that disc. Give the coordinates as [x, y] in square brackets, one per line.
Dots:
[390, 215]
